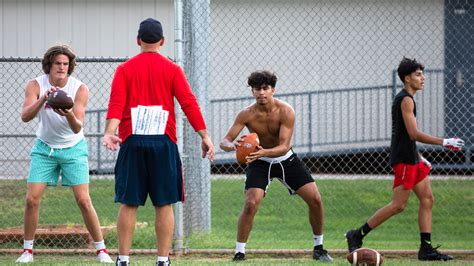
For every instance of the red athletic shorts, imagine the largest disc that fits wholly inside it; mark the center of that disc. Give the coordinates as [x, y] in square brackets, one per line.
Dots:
[409, 175]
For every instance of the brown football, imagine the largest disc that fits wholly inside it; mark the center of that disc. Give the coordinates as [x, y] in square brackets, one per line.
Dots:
[60, 100]
[365, 256]
[248, 145]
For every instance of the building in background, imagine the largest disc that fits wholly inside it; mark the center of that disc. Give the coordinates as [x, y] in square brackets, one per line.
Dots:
[334, 59]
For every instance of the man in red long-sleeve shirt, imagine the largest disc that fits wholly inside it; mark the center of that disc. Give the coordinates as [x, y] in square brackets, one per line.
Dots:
[149, 164]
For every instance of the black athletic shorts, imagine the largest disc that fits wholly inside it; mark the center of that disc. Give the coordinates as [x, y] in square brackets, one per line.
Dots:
[291, 172]
[148, 165]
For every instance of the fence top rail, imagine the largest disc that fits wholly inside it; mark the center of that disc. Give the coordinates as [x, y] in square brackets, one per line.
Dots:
[339, 90]
[96, 110]
[79, 59]
[342, 90]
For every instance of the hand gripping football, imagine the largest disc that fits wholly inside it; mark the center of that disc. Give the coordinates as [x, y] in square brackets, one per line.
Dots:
[248, 145]
[365, 256]
[60, 100]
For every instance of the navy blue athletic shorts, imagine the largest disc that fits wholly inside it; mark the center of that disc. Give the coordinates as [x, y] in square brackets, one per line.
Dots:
[148, 165]
[291, 173]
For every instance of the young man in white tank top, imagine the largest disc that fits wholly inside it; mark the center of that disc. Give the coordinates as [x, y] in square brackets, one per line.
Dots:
[60, 139]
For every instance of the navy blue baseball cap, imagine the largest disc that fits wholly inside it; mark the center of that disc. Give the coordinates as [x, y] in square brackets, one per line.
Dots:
[150, 31]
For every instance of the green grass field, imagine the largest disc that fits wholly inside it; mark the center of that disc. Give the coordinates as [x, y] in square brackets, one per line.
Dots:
[282, 220]
[41, 259]
[281, 223]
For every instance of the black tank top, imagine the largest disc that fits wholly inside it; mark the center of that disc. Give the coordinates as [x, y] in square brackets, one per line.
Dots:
[402, 148]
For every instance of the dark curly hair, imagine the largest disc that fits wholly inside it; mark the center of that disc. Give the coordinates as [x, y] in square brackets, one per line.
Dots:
[408, 66]
[262, 77]
[50, 55]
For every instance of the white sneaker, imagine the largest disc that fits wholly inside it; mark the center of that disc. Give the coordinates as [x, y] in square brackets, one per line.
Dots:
[103, 256]
[26, 257]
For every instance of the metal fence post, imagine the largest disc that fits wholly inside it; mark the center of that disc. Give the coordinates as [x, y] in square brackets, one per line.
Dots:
[197, 209]
[394, 83]
[178, 53]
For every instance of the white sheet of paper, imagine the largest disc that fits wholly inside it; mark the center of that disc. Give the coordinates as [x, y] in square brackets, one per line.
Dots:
[149, 120]
[163, 122]
[134, 114]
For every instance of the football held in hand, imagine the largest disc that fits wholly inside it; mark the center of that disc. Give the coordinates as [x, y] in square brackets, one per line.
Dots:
[60, 100]
[248, 145]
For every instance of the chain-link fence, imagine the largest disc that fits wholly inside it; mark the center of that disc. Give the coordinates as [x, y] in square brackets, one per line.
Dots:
[335, 63]
[60, 221]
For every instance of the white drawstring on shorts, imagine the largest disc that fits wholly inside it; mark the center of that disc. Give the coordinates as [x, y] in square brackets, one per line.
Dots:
[278, 160]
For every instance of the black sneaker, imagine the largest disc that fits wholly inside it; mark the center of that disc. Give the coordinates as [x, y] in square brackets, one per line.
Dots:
[321, 255]
[427, 252]
[239, 256]
[121, 263]
[354, 241]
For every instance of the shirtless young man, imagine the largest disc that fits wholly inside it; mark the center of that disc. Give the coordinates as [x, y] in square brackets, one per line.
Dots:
[273, 121]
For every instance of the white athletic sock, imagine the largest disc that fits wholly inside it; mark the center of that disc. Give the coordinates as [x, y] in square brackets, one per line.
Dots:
[28, 244]
[124, 258]
[99, 245]
[318, 240]
[164, 259]
[240, 247]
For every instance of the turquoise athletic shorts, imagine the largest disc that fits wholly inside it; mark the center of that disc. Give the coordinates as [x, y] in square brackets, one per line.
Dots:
[47, 164]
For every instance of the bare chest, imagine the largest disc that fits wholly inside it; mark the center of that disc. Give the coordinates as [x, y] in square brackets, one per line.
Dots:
[265, 125]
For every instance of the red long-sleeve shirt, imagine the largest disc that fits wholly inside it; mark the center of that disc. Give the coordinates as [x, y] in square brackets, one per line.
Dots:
[151, 79]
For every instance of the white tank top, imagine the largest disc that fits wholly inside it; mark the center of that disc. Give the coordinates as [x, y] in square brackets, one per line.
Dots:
[54, 129]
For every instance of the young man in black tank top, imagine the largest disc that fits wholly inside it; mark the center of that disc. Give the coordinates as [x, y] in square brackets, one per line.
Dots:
[410, 168]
